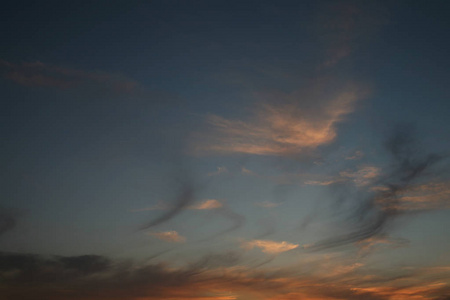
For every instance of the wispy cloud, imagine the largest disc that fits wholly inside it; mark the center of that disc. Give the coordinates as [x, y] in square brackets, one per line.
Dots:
[8, 220]
[341, 25]
[363, 176]
[267, 246]
[220, 170]
[375, 213]
[318, 182]
[357, 155]
[267, 204]
[432, 195]
[280, 129]
[376, 242]
[169, 236]
[47, 75]
[159, 206]
[207, 205]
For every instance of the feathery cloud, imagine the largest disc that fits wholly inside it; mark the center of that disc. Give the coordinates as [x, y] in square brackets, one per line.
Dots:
[169, 236]
[293, 123]
[207, 204]
[267, 246]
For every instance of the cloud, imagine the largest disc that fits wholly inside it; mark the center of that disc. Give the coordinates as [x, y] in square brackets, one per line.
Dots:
[8, 220]
[184, 198]
[159, 206]
[220, 170]
[46, 75]
[287, 124]
[371, 216]
[214, 277]
[375, 242]
[363, 176]
[318, 182]
[169, 236]
[267, 246]
[267, 204]
[207, 205]
[357, 155]
[344, 25]
[428, 196]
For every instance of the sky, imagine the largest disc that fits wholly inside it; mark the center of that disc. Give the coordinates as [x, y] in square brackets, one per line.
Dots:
[219, 150]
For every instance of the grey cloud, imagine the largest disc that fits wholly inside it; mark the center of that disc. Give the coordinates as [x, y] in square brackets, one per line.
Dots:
[8, 220]
[373, 215]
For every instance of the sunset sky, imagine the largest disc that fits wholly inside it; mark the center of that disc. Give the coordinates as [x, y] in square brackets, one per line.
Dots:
[220, 150]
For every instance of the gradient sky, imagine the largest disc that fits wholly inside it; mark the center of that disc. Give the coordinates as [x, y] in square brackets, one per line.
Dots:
[251, 150]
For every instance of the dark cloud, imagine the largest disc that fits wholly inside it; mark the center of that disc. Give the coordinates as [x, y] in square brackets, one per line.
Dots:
[46, 75]
[185, 197]
[237, 221]
[92, 277]
[372, 216]
[8, 220]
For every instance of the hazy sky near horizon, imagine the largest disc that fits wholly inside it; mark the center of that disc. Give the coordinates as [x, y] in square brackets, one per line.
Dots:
[225, 150]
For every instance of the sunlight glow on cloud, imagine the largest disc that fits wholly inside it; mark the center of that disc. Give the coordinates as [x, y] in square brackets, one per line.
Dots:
[267, 246]
[281, 128]
[207, 204]
[169, 236]
[434, 195]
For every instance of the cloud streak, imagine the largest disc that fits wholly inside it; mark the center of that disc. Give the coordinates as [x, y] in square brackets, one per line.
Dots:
[38, 74]
[267, 246]
[169, 236]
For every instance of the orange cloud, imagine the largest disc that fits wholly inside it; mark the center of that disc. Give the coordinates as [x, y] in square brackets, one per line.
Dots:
[169, 236]
[292, 126]
[37, 277]
[270, 247]
[207, 204]
[434, 195]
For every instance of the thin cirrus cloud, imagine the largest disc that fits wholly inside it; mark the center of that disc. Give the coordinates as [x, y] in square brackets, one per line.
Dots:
[267, 204]
[207, 205]
[38, 74]
[269, 247]
[286, 124]
[427, 196]
[361, 177]
[203, 205]
[169, 236]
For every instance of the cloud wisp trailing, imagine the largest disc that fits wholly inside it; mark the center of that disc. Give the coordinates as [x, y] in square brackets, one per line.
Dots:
[185, 197]
[169, 236]
[269, 247]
